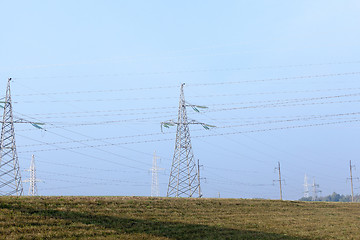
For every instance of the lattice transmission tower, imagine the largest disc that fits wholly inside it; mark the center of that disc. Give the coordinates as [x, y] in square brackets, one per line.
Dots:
[315, 189]
[32, 180]
[184, 180]
[155, 191]
[10, 178]
[306, 187]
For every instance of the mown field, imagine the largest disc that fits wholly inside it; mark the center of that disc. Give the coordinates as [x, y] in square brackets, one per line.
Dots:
[169, 218]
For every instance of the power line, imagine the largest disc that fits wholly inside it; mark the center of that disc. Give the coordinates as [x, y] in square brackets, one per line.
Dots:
[298, 118]
[279, 128]
[86, 177]
[279, 79]
[87, 168]
[102, 111]
[238, 94]
[97, 139]
[94, 139]
[228, 180]
[190, 71]
[102, 115]
[80, 153]
[158, 108]
[320, 117]
[64, 124]
[90, 146]
[96, 91]
[266, 144]
[282, 101]
[110, 183]
[275, 105]
[164, 98]
[279, 104]
[199, 136]
[102, 150]
[282, 105]
[100, 100]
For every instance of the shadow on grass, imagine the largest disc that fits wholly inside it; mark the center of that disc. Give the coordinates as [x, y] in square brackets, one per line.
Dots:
[175, 230]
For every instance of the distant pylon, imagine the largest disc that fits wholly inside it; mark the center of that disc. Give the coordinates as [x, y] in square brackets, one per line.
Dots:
[184, 180]
[10, 178]
[315, 190]
[155, 192]
[32, 180]
[306, 187]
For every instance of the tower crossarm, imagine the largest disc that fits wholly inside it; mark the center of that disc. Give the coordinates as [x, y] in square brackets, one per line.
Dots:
[171, 123]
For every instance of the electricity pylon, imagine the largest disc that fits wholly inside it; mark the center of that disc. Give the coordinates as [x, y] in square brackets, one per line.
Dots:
[10, 178]
[155, 192]
[32, 180]
[315, 190]
[184, 179]
[306, 187]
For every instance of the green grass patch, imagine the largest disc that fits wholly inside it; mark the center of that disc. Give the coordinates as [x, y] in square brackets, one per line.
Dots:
[171, 218]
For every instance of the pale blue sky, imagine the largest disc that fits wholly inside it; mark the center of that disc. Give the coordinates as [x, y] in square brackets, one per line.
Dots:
[106, 73]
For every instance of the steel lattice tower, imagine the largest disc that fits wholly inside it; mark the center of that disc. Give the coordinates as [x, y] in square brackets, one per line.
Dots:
[10, 178]
[155, 192]
[184, 179]
[315, 190]
[32, 180]
[306, 187]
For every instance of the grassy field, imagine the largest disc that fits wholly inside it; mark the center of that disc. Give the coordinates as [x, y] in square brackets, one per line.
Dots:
[165, 218]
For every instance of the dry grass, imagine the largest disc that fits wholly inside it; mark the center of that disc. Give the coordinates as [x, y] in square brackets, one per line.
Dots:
[165, 218]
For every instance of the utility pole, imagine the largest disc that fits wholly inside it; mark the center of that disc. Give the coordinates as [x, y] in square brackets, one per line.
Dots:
[280, 181]
[351, 180]
[184, 180]
[198, 164]
[306, 187]
[155, 192]
[10, 178]
[32, 180]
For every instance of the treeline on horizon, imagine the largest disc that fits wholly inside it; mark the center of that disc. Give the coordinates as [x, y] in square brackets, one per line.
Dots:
[335, 197]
